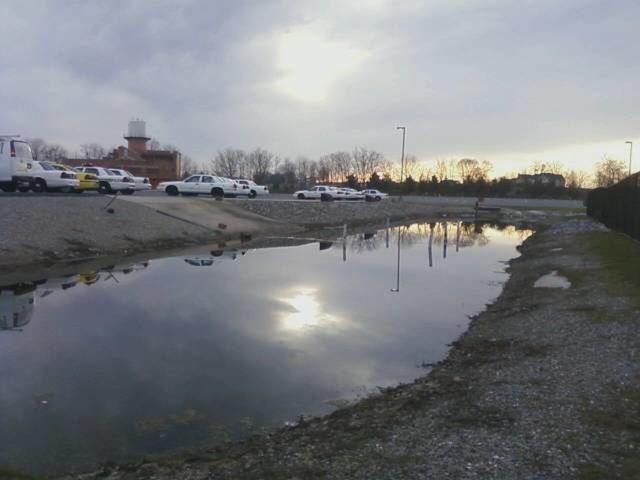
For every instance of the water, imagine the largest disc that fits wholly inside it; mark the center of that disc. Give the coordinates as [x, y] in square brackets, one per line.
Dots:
[187, 351]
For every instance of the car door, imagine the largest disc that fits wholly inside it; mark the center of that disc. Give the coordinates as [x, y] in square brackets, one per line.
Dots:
[318, 191]
[206, 184]
[190, 185]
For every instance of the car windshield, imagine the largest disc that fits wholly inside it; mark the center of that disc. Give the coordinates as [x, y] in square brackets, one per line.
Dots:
[113, 172]
[46, 166]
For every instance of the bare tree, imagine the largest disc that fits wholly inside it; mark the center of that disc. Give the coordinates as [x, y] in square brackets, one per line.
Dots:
[53, 152]
[366, 162]
[609, 171]
[230, 163]
[341, 164]
[38, 145]
[471, 170]
[577, 179]
[325, 169]
[93, 150]
[154, 144]
[260, 163]
[189, 166]
[442, 170]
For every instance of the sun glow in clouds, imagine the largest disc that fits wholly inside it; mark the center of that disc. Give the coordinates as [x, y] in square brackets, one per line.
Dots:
[311, 64]
[305, 311]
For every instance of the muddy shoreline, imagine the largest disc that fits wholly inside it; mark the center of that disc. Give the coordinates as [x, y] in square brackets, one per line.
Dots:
[524, 393]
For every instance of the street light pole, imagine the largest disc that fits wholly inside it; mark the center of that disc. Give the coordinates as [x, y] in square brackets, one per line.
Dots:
[630, 154]
[404, 135]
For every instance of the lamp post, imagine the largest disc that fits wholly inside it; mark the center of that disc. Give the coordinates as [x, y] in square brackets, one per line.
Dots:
[630, 154]
[404, 135]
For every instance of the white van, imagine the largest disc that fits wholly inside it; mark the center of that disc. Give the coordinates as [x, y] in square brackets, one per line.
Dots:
[15, 164]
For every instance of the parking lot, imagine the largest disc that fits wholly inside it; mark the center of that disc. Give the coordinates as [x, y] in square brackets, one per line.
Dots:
[518, 203]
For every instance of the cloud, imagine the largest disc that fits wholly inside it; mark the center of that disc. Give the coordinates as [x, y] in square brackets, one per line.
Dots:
[487, 78]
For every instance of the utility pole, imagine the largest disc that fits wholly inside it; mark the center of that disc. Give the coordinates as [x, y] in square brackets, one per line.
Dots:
[404, 135]
[630, 154]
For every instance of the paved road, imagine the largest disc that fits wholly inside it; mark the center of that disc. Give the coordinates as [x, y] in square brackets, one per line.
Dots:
[529, 203]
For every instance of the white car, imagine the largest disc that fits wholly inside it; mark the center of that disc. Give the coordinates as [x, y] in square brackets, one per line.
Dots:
[15, 164]
[352, 194]
[374, 195]
[45, 177]
[108, 181]
[216, 256]
[141, 183]
[322, 192]
[254, 189]
[202, 184]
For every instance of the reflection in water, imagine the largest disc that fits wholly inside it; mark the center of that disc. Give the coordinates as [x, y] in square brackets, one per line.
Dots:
[141, 359]
[305, 311]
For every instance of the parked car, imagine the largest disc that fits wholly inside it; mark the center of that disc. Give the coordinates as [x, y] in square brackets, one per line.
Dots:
[373, 195]
[141, 183]
[109, 182]
[201, 184]
[352, 194]
[322, 192]
[86, 181]
[15, 164]
[44, 177]
[254, 189]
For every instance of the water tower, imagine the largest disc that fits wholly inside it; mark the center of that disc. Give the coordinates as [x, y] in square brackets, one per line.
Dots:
[137, 136]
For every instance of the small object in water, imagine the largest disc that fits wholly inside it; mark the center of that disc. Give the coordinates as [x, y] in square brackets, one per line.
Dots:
[222, 226]
[245, 237]
[110, 210]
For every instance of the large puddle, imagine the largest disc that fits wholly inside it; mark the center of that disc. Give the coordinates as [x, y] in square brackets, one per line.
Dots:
[185, 351]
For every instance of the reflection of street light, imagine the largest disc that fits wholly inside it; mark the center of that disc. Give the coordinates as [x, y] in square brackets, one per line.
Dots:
[397, 289]
[630, 154]
[404, 134]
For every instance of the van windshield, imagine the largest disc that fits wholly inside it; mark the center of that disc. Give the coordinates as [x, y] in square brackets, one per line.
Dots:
[21, 149]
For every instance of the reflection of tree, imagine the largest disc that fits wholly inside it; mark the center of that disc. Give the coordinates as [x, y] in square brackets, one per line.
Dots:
[462, 234]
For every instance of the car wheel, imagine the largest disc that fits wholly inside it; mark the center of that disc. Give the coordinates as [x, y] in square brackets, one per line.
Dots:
[253, 194]
[171, 190]
[39, 185]
[325, 197]
[378, 199]
[217, 192]
[127, 192]
[104, 187]
[301, 196]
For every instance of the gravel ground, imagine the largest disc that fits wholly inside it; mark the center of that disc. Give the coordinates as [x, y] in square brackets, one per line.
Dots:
[544, 385]
[37, 230]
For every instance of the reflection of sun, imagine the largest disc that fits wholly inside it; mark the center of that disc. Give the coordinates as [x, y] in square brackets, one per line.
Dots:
[311, 63]
[305, 311]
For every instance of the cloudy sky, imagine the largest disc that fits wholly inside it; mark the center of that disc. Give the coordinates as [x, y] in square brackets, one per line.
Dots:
[502, 80]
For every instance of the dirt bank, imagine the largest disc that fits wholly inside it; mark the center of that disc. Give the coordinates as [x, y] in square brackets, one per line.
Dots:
[545, 384]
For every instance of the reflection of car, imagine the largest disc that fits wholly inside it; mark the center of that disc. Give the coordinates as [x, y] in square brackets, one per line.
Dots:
[16, 306]
[108, 181]
[86, 181]
[323, 192]
[374, 195]
[216, 256]
[254, 189]
[140, 183]
[46, 177]
[202, 184]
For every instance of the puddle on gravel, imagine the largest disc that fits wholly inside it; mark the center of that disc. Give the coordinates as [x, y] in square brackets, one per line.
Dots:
[180, 352]
[552, 280]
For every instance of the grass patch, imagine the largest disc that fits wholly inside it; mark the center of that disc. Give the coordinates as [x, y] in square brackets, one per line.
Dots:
[620, 257]
[9, 474]
[619, 422]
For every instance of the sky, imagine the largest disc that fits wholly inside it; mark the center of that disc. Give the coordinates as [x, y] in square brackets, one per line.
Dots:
[500, 80]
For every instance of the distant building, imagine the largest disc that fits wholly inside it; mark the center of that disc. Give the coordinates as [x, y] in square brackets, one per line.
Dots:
[551, 179]
[157, 165]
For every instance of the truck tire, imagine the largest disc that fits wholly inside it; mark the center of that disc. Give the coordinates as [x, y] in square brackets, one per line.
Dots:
[39, 185]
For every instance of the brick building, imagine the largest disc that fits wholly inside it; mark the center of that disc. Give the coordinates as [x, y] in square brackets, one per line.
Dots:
[157, 165]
